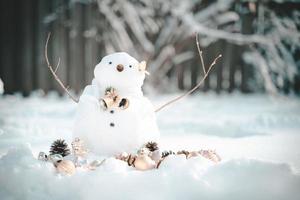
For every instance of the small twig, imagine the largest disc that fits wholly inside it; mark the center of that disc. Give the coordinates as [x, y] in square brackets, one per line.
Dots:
[200, 53]
[194, 88]
[58, 63]
[53, 72]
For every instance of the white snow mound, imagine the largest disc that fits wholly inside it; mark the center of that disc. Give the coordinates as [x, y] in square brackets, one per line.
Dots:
[257, 137]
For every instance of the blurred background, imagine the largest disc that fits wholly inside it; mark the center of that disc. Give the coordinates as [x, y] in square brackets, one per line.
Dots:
[259, 41]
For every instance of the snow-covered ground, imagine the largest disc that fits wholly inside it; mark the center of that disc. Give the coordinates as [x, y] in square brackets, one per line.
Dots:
[258, 138]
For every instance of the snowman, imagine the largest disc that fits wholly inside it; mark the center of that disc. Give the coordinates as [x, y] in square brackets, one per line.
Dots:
[113, 115]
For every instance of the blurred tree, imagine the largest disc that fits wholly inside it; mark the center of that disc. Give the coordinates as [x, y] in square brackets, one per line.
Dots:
[162, 31]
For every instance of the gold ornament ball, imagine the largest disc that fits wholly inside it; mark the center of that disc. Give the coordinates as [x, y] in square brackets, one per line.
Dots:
[65, 167]
[144, 162]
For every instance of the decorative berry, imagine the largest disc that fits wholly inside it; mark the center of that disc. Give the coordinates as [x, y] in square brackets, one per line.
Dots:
[59, 147]
[152, 146]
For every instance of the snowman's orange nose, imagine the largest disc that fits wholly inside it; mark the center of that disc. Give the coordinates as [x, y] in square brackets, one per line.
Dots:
[120, 67]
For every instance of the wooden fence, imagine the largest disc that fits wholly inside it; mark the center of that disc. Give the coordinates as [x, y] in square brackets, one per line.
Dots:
[24, 28]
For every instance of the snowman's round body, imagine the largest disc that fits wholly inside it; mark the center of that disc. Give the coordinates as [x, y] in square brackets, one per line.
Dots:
[114, 130]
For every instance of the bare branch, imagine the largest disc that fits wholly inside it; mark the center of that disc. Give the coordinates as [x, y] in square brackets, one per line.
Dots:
[200, 53]
[53, 72]
[194, 88]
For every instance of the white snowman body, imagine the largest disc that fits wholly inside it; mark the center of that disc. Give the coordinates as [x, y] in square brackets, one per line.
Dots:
[114, 130]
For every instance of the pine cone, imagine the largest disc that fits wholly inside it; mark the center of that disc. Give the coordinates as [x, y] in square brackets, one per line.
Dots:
[167, 153]
[59, 147]
[152, 146]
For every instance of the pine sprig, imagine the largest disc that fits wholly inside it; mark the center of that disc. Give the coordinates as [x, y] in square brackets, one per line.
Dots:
[167, 153]
[59, 147]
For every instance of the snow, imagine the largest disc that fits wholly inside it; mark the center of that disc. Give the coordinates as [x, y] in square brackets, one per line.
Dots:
[1, 87]
[257, 137]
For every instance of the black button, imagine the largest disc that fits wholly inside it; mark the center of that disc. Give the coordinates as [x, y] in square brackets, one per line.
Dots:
[112, 124]
[112, 111]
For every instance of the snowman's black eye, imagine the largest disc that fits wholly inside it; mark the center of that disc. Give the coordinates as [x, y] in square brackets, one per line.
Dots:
[130, 66]
[110, 63]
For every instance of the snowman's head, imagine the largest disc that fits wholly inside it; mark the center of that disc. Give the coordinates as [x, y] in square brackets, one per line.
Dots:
[121, 71]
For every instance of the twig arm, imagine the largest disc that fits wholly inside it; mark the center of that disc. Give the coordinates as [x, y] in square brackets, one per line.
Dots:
[200, 53]
[53, 72]
[206, 73]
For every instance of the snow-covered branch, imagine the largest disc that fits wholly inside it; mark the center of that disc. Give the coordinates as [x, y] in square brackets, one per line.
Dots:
[160, 30]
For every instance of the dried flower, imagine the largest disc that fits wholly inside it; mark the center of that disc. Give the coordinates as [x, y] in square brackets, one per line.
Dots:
[78, 148]
[186, 153]
[111, 93]
[211, 155]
